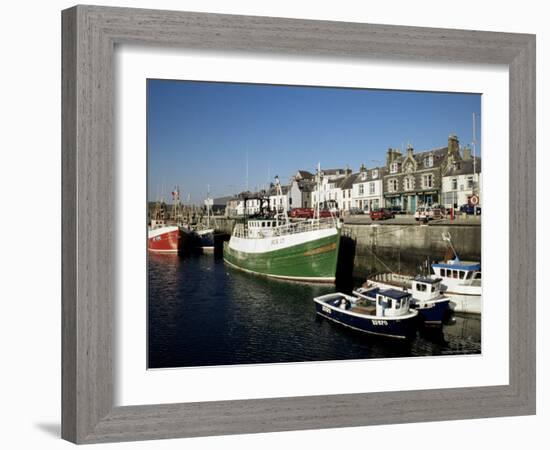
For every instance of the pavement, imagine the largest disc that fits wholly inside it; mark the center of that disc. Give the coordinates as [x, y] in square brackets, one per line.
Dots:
[406, 219]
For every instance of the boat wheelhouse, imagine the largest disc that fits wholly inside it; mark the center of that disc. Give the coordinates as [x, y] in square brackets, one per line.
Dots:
[459, 277]
[386, 313]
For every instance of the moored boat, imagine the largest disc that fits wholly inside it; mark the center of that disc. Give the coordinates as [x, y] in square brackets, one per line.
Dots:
[204, 232]
[306, 250]
[164, 238]
[459, 280]
[427, 299]
[169, 235]
[387, 313]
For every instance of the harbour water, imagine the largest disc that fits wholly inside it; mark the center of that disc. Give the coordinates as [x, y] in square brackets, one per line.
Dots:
[203, 313]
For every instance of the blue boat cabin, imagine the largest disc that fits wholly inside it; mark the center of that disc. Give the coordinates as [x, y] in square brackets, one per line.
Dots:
[392, 302]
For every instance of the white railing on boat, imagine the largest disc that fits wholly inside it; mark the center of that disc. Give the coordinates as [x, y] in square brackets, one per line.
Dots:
[393, 278]
[282, 230]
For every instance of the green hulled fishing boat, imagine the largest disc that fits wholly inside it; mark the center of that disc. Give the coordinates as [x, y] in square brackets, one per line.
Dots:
[305, 250]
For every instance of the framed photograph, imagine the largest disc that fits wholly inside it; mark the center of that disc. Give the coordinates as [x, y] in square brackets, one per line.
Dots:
[277, 224]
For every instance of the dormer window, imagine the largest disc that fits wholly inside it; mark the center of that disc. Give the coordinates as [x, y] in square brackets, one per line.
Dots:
[394, 167]
[363, 176]
[374, 173]
[429, 161]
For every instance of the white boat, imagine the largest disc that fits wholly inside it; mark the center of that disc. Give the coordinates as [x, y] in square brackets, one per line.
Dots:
[460, 281]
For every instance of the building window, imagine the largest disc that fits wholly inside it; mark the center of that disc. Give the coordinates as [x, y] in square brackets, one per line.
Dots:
[361, 189]
[364, 176]
[470, 181]
[393, 185]
[409, 183]
[371, 188]
[428, 181]
[394, 167]
[454, 184]
[429, 161]
[374, 173]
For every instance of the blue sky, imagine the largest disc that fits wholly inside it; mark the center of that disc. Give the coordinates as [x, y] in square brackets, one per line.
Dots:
[200, 133]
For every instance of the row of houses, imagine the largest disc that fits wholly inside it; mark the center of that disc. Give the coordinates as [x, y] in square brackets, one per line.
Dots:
[447, 176]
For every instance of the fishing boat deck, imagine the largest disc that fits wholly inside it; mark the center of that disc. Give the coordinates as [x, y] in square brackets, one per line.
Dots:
[370, 310]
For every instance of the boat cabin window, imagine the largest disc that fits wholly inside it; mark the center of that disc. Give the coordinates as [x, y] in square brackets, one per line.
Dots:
[461, 274]
[477, 276]
[469, 275]
[455, 273]
[420, 287]
[433, 288]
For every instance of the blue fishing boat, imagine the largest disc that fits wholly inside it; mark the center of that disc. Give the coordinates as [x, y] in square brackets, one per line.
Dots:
[427, 298]
[387, 314]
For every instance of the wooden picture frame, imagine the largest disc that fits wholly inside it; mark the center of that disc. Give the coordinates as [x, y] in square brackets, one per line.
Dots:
[90, 34]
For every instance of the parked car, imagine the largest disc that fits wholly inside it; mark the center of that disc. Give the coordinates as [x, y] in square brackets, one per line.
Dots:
[381, 214]
[429, 213]
[396, 209]
[302, 213]
[470, 209]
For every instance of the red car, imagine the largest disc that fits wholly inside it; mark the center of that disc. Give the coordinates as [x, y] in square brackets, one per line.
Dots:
[309, 213]
[381, 214]
[302, 213]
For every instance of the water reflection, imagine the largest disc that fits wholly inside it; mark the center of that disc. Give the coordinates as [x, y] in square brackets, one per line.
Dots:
[202, 313]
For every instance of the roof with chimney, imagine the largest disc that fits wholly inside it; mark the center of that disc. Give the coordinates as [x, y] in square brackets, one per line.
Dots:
[307, 185]
[464, 167]
[347, 183]
[369, 175]
[304, 175]
[333, 171]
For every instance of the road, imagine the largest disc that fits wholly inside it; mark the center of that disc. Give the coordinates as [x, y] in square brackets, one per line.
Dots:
[406, 219]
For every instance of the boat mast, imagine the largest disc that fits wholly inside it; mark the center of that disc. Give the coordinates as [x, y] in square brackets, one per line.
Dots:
[447, 237]
[176, 199]
[317, 206]
[279, 192]
[208, 206]
[474, 188]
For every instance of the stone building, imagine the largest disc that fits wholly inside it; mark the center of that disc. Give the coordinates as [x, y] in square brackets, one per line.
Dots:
[415, 179]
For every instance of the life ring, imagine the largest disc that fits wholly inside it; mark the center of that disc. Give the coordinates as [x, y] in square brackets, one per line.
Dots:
[474, 200]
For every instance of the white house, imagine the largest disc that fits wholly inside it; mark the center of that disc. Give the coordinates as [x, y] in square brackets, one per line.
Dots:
[279, 202]
[345, 192]
[301, 186]
[367, 193]
[330, 195]
[461, 182]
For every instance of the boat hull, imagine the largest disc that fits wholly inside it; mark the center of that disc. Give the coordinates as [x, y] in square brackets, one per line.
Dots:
[312, 260]
[465, 303]
[165, 240]
[381, 326]
[433, 312]
[206, 240]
